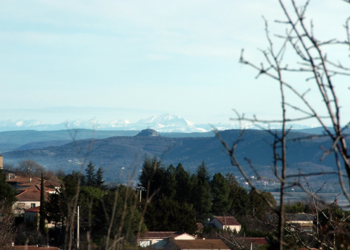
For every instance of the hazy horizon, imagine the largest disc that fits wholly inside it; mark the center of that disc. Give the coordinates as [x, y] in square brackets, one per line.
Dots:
[130, 60]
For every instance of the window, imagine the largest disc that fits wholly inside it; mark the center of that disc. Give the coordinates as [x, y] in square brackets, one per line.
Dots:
[32, 205]
[20, 205]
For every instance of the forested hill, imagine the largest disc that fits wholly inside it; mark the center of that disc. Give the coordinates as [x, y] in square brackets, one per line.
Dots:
[117, 152]
[32, 139]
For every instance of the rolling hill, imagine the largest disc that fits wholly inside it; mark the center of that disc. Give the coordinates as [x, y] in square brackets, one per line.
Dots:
[118, 152]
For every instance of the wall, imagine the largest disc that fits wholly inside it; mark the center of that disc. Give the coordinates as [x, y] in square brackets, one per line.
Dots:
[18, 208]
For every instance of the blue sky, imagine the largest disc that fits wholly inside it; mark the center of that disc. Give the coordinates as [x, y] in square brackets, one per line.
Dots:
[132, 59]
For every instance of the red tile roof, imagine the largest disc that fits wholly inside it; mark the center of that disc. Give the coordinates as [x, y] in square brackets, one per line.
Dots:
[33, 209]
[161, 235]
[253, 240]
[32, 181]
[201, 244]
[157, 234]
[30, 195]
[227, 220]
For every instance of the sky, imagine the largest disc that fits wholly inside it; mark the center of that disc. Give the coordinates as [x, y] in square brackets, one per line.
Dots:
[111, 60]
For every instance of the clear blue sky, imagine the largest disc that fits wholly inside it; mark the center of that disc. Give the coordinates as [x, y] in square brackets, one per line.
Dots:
[132, 59]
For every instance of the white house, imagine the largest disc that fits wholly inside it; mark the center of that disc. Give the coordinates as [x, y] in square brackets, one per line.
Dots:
[226, 222]
[158, 239]
[27, 199]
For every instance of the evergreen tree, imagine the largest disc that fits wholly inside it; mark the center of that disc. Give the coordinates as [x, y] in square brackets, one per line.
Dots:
[203, 173]
[166, 214]
[42, 206]
[127, 219]
[238, 195]
[153, 174]
[99, 178]
[169, 187]
[220, 190]
[183, 184]
[258, 202]
[201, 197]
[90, 174]
[7, 194]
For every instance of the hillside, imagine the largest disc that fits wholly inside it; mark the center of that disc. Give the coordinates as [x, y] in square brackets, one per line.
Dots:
[32, 139]
[116, 152]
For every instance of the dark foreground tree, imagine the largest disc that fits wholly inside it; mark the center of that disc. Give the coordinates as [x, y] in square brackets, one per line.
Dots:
[7, 199]
[299, 53]
[42, 213]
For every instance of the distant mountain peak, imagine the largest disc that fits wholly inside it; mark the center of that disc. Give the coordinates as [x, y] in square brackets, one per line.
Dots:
[148, 132]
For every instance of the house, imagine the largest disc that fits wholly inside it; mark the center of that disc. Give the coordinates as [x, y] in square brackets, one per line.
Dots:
[9, 174]
[27, 199]
[202, 244]
[226, 222]
[301, 221]
[158, 239]
[32, 215]
[25, 183]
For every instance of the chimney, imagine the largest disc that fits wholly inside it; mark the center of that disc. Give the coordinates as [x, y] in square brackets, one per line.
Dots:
[1, 162]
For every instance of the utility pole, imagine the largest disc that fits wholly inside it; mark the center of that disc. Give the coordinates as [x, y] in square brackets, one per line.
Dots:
[140, 189]
[77, 227]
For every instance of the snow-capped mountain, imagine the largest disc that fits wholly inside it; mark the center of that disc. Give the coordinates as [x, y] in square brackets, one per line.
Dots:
[168, 123]
[160, 123]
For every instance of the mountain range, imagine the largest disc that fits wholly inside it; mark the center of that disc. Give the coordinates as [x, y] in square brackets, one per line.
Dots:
[161, 123]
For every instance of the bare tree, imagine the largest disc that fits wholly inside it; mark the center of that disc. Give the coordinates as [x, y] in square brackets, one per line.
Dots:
[320, 70]
[31, 168]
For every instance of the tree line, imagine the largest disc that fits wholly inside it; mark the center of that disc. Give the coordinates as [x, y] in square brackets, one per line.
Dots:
[181, 199]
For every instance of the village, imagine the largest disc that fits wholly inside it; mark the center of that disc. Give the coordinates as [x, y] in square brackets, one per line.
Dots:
[211, 229]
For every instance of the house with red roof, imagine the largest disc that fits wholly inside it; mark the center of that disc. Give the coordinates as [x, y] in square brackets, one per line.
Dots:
[27, 199]
[226, 222]
[158, 239]
[32, 183]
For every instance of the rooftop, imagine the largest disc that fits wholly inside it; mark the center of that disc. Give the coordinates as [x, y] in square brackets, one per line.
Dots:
[253, 240]
[30, 195]
[227, 220]
[201, 244]
[158, 234]
[299, 217]
[33, 209]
